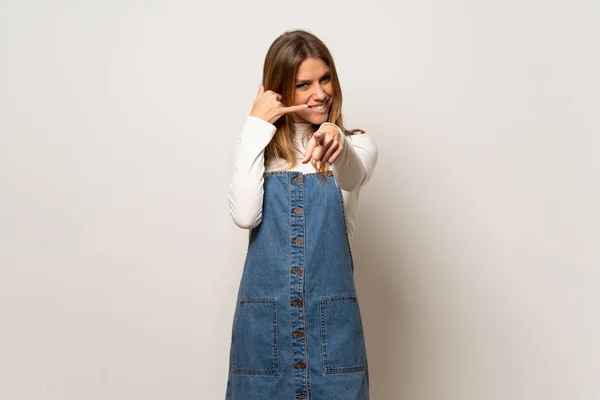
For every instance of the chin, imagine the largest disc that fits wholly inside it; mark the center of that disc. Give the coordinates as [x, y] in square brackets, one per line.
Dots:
[315, 119]
[318, 120]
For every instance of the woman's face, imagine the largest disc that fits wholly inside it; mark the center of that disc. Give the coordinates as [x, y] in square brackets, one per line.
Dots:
[313, 87]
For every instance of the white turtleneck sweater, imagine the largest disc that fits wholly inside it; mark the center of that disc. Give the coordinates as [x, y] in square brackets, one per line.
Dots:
[352, 170]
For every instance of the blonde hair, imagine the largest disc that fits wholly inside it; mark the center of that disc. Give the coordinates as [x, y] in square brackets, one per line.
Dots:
[279, 74]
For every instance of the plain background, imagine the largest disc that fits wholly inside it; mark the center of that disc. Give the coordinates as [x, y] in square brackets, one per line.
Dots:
[476, 243]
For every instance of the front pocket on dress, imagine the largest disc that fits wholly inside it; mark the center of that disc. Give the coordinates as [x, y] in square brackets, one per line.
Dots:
[254, 340]
[342, 335]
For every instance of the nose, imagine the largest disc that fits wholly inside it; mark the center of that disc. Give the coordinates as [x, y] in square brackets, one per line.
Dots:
[319, 94]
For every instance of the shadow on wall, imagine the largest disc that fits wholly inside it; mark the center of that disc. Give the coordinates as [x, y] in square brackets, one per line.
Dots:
[389, 296]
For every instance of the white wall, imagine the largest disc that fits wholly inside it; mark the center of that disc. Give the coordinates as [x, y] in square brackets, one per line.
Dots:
[477, 241]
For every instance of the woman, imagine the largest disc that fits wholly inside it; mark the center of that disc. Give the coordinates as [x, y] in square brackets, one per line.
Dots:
[297, 330]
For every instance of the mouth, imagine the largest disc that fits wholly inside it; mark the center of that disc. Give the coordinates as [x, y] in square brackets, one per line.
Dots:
[319, 107]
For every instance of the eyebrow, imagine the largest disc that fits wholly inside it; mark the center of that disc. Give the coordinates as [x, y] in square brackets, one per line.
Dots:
[325, 75]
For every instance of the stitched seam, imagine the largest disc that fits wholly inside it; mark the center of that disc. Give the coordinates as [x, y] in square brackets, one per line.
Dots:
[343, 210]
[289, 172]
[322, 303]
[345, 370]
[263, 371]
[323, 334]
[303, 266]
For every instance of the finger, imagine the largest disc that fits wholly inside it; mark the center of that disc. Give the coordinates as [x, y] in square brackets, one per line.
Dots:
[318, 137]
[329, 152]
[318, 153]
[290, 109]
[335, 155]
[328, 139]
[260, 92]
[309, 150]
[276, 95]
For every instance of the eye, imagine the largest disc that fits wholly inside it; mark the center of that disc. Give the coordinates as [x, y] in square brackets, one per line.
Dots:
[326, 79]
[301, 86]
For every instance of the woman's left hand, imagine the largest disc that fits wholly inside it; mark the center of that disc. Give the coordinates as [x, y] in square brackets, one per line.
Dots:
[326, 145]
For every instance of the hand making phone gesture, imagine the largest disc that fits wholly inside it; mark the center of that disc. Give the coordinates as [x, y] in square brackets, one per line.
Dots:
[268, 106]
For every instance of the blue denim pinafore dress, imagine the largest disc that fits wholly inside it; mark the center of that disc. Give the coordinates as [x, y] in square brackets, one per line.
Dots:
[297, 330]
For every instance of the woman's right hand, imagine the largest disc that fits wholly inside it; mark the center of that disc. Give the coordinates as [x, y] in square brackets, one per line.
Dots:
[268, 106]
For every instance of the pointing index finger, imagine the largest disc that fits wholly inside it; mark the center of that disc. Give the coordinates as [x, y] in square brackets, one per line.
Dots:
[309, 151]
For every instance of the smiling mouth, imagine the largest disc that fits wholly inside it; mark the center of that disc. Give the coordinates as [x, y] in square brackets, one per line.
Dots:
[320, 107]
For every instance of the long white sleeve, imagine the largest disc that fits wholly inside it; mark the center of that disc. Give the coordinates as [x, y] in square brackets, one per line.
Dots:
[355, 166]
[246, 189]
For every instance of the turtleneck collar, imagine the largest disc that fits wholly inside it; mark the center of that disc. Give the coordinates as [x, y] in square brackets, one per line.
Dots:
[301, 128]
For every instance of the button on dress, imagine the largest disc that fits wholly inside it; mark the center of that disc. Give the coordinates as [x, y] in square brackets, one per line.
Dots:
[297, 331]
